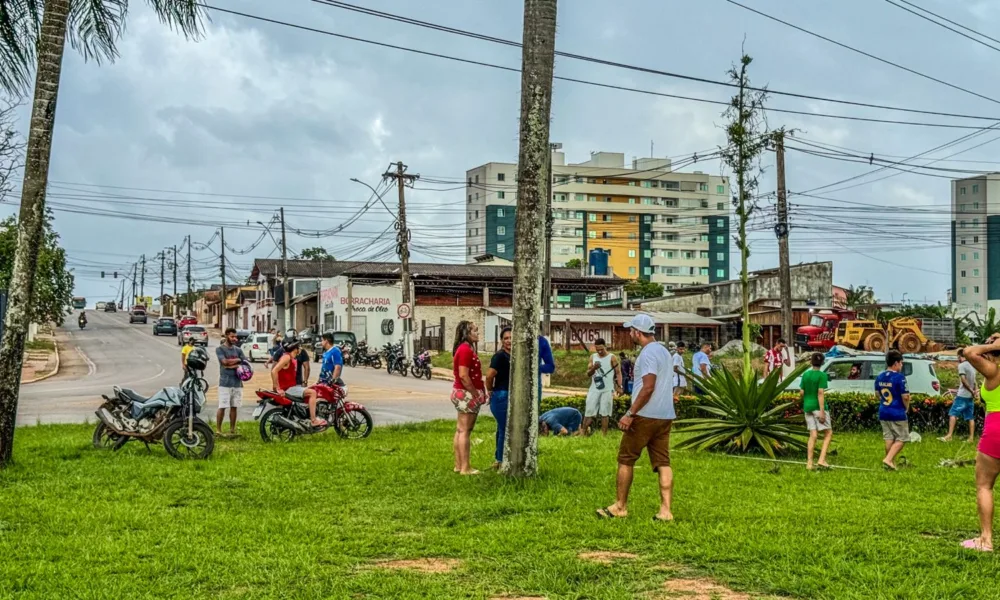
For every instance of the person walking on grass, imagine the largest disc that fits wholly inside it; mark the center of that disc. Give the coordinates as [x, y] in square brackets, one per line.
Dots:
[498, 389]
[647, 423]
[814, 382]
[230, 385]
[964, 406]
[983, 359]
[680, 382]
[468, 393]
[894, 396]
[605, 374]
[701, 364]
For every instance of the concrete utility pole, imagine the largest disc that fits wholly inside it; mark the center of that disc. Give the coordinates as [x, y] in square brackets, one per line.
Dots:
[135, 268]
[284, 273]
[142, 278]
[163, 259]
[189, 273]
[520, 453]
[222, 268]
[547, 276]
[403, 248]
[781, 230]
[173, 311]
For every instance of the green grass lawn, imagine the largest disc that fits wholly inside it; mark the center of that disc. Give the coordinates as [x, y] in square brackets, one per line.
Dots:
[311, 519]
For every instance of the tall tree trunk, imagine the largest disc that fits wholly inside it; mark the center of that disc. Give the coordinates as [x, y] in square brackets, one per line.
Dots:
[51, 44]
[537, 64]
[743, 212]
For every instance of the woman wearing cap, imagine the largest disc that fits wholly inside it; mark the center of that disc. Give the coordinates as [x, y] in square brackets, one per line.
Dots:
[983, 358]
[468, 393]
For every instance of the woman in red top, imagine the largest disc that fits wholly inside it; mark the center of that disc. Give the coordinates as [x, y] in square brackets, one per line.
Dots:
[468, 393]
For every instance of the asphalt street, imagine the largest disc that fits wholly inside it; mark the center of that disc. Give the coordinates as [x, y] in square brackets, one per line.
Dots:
[111, 352]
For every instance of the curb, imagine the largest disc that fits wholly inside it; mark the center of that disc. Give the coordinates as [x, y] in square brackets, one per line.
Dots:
[51, 373]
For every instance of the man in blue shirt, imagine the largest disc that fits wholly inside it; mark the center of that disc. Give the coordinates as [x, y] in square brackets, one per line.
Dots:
[329, 373]
[894, 396]
[546, 363]
[560, 421]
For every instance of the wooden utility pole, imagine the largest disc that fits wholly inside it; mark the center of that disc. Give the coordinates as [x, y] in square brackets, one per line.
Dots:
[781, 230]
[135, 268]
[189, 306]
[403, 247]
[547, 277]
[222, 269]
[284, 273]
[163, 259]
[174, 311]
[142, 278]
[538, 38]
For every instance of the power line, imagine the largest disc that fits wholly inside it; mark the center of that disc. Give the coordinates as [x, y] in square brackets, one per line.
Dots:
[863, 53]
[947, 20]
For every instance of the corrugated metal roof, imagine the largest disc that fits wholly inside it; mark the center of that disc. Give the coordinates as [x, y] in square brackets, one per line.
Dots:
[619, 316]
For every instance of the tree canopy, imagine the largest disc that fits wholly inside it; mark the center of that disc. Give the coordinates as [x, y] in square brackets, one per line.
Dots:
[574, 263]
[316, 253]
[54, 283]
[643, 289]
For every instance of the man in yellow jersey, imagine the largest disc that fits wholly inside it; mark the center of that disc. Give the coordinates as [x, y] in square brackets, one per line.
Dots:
[185, 350]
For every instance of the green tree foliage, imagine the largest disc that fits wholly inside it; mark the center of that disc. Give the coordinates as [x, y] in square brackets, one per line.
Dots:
[54, 284]
[643, 289]
[980, 329]
[316, 253]
[860, 296]
[574, 263]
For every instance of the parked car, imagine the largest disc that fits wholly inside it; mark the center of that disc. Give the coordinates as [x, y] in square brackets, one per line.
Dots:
[339, 337]
[185, 321]
[137, 315]
[101, 305]
[858, 373]
[257, 345]
[196, 332]
[165, 326]
[110, 307]
[242, 335]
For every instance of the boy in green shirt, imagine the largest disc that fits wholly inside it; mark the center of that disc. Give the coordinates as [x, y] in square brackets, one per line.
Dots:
[818, 419]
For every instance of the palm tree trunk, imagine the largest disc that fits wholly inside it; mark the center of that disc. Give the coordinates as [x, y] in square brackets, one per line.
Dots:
[51, 44]
[537, 64]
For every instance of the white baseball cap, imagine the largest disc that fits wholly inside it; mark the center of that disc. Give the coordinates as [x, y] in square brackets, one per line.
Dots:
[641, 322]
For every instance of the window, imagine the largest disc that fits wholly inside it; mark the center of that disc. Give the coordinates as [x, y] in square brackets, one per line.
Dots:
[647, 271]
[720, 189]
[975, 188]
[468, 215]
[477, 178]
[468, 250]
[578, 250]
[646, 236]
[963, 257]
[631, 253]
[475, 231]
[606, 235]
[501, 230]
[688, 255]
[720, 239]
[720, 222]
[501, 248]
[670, 185]
[975, 239]
[578, 232]
[702, 187]
[962, 274]
[975, 289]
[592, 235]
[647, 253]
[704, 203]
[647, 201]
[975, 206]
[607, 198]
[720, 256]
[631, 218]
[975, 256]
[720, 273]
[704, 220]
[962, 241]
[720, 206]
[579, 214]
[975, 272]
[703, 237]
[500, 195]
[501, 177]
[975, 222]
[592, 199]
[477, 215]
[631, 200]
[606, 218]
[670, 202]
[580, 197]
[703, 271]
[647, 218]
[592, 217]
[632, 235]
[648, 184]
[631, 270]
[561, 198]
[578, 179]
[961, 191]
[961, 224]
[499, 212]
[703, 254]
[470, 235]
[963, 290]
[477, 196]
[470, 198]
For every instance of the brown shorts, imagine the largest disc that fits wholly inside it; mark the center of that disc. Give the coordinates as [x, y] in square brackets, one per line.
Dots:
[651, 434]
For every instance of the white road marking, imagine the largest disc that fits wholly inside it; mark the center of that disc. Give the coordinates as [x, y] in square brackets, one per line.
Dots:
[91, 367]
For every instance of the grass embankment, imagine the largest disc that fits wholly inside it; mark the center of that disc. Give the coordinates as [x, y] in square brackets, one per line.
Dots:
[42, 345]
[312, 519]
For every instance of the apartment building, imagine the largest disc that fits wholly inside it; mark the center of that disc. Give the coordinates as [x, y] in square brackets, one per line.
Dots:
[975, 242]
[657, 224]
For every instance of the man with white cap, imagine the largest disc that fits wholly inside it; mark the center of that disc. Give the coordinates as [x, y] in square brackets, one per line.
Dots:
[647, 423]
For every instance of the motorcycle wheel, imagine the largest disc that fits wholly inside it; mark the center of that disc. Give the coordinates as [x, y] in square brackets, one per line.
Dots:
[402, 370]
[427, 373]
[388, 366]
[354, 424]
[271, 431]
[104, 438]
[376, 363]
[180, 446]
[415, 371]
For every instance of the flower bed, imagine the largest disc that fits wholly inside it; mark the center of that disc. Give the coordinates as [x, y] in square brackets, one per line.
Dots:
[851, 411]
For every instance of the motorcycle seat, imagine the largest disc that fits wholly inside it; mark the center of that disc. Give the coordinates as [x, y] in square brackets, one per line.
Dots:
[134, 397]
[295, 393]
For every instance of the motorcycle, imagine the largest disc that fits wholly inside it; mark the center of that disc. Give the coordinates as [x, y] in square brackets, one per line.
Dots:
[347, 354]
[82, 323]
[290, 416]
[396, 359]
[169, 415]
[365, 358]
[422, 365]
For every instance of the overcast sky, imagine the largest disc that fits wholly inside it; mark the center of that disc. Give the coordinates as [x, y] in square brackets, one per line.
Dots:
[258, 109]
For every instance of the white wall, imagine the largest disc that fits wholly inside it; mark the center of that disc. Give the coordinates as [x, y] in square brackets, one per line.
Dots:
[373, 302]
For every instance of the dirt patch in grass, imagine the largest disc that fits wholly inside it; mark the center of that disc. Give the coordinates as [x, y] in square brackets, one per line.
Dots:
[700, 589]
[605, 558]
[518, 598]
[422, 565]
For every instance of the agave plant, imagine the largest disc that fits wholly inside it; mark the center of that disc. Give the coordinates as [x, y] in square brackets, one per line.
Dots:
[745, 412]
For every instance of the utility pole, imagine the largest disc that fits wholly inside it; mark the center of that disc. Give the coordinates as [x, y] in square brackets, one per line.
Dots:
[222, 269]
[174, 312]
[547, 276]
[163, 258]
[142, 278]
[403, 248]
[781, 230]
[188, 303]
[284, 273]
[135, 268]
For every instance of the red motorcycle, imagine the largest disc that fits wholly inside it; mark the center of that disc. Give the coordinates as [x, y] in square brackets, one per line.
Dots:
[290, 416]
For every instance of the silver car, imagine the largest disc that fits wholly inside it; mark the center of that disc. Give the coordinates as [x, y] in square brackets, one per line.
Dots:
[858, 373]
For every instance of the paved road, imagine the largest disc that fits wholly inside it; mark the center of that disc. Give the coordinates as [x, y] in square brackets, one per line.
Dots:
[110, 351]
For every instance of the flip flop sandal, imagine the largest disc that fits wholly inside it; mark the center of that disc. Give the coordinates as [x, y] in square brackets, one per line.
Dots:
[825, 467]
[603, 513]
[657, 519]
[888, 467]
[977, 545]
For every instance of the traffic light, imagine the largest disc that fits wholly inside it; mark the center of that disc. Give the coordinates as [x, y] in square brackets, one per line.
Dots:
[102, 274]
[116, 274]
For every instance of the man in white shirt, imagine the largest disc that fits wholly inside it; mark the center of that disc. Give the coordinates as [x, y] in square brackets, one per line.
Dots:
[701, 363]
[647, 423]
[680, 381]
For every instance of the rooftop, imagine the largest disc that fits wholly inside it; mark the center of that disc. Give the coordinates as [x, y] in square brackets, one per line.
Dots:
[617, 316]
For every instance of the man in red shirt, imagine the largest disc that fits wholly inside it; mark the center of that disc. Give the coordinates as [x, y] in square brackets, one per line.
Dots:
[777, 356]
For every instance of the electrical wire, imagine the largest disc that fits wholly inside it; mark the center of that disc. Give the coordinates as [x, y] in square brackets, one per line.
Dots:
[926, 18]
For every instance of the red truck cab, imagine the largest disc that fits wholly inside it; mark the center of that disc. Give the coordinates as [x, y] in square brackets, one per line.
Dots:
[821, 331]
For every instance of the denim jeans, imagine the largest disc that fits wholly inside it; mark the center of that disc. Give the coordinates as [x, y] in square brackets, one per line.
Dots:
[498, 406]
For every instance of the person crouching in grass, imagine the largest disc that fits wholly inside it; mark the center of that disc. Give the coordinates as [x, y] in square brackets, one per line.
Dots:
[814, 382]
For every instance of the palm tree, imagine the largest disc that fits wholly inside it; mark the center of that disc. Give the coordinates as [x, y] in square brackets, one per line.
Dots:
[857, 297]
[33, 35]
[520, 457]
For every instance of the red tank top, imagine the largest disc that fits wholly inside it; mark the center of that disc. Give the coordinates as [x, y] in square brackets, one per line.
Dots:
[286, 376]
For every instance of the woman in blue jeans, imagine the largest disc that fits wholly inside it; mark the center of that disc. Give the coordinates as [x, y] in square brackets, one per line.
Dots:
[498, 386]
